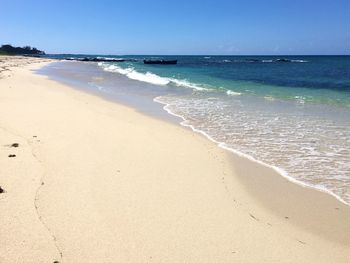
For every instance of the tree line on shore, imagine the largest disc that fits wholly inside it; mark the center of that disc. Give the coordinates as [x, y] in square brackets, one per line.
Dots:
[26, 50]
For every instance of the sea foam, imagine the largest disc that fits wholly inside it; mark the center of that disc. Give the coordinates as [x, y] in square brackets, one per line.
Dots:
[152, 78]
[262, 136]
[148, 77]
[131, 73]
[233, 93]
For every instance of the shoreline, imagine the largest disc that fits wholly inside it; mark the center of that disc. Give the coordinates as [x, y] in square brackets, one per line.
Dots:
[180, 120]
[237, 213]
[276, 169]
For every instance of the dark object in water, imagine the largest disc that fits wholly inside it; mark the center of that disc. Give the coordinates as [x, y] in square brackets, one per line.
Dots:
[12, 155]
[32, 55]
[103, 60]
[88, 59]
[14, 145]
[1, 190]
[282, 60]
[253, 60]
[160, 62]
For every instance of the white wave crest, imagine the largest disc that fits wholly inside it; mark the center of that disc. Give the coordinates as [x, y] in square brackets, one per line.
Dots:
[133, 74]
[269, 98]
[148, 77]
[108, 58]
[299, 61]
[151, 78]
[233, 93]
[187, 84]
[113, 68]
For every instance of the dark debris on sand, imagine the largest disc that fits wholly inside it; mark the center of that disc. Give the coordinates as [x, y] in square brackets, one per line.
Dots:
[12, 155]
[1, 190]
[14, 145]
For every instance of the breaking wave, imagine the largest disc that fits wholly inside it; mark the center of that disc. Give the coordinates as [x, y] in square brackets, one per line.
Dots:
[152, 78]
[232, 93]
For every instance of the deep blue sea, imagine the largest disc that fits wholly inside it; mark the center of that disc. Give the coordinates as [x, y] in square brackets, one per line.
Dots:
[288, 112]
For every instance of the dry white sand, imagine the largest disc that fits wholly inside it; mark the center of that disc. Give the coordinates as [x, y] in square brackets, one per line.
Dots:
[94, 181]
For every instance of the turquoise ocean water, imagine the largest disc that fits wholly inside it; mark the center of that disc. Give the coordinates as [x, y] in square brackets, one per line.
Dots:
[290, 113]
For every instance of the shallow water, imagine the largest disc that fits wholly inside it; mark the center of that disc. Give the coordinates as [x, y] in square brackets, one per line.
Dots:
[295, 118]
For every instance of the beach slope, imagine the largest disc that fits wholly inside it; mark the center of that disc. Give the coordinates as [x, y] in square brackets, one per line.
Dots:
[95, 181]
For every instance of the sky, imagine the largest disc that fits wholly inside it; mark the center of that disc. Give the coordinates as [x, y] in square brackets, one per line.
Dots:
[179, 27]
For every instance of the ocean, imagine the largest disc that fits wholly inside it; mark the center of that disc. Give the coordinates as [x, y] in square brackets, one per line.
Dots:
[291, 113]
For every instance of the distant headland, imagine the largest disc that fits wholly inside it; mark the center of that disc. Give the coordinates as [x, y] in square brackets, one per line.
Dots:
[26, 50]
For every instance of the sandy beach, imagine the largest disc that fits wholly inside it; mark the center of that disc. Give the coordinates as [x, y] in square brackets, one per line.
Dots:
[95, 181]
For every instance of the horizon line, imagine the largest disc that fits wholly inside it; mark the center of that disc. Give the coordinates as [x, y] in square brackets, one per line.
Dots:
[212, 55]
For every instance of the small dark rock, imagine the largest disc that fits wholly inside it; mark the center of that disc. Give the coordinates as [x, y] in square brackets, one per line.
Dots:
[12, 155]
[286, 217]
[1, 190]
[56, 261]
[302, 242]
[14, 145]
[255, 218]
[34, 136]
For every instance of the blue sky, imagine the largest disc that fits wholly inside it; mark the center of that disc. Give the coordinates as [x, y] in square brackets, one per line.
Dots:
[228, 27]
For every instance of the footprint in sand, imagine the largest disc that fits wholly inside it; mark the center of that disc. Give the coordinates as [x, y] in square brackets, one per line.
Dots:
[255, 218]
